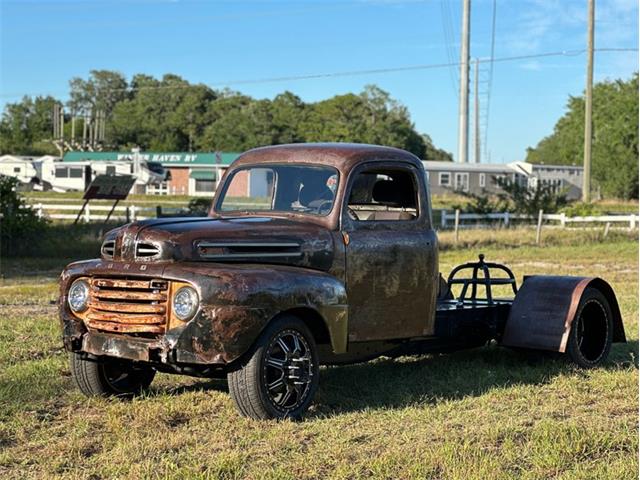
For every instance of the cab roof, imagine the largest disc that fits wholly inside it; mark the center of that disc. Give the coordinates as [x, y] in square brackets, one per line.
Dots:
[342, 156]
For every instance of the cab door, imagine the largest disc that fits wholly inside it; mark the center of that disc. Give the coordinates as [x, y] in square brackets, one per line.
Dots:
[391, 253]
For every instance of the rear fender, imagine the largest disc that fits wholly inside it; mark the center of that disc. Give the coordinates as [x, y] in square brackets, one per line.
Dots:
[545, 307]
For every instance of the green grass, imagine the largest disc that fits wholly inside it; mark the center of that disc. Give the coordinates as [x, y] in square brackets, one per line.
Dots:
[484, 413]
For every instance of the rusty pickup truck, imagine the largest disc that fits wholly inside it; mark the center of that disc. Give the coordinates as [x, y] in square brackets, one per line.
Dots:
[311, 254]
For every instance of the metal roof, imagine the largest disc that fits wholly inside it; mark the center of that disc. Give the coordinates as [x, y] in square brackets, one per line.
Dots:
[440, 166]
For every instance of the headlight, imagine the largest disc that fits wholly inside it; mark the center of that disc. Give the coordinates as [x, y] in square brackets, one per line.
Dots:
[78, 295]
[185, 303]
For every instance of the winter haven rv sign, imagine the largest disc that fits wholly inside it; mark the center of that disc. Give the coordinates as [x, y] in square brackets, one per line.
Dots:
[162, 157]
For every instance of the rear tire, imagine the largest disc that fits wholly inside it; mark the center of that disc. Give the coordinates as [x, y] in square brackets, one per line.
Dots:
[591, 333]
[279, 377]
[109, 378]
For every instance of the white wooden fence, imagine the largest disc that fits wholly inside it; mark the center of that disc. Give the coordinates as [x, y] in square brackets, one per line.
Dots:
[93, 212]
[448, 219]
[453, 219]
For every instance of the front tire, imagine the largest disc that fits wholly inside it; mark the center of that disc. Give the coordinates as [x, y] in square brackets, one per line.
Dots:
[280, 376]
[109, 378]
[591, 333]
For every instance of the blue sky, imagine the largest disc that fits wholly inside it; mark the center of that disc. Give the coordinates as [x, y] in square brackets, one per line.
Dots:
[45, 43]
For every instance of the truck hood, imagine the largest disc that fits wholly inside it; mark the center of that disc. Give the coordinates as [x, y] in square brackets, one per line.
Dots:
[226, 239]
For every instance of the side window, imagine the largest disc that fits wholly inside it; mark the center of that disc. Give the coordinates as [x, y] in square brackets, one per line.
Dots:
[383, 195]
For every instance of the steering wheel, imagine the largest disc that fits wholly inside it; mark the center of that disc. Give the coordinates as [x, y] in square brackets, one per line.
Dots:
[324, 204]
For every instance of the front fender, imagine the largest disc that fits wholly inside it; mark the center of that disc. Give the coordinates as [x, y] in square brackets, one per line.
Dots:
[238, 301]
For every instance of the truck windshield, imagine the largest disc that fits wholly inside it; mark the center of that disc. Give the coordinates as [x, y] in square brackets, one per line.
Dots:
[280, 188]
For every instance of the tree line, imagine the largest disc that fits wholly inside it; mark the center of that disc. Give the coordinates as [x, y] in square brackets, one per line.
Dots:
[171, 114]
[615, 138]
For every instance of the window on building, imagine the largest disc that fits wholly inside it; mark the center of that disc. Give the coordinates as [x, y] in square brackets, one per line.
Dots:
[161, 188]
[111, 170]
[16, 169]
[497, 179]
[62, 172]
[445, 179]
[75, 172]
[462, 181]
[482, 180]
[207, 186]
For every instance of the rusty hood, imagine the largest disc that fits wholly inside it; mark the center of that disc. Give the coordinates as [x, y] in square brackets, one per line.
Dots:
[247, 239]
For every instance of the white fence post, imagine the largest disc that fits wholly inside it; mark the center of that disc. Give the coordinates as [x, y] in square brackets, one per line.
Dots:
[506, 219]
[563, 219]
[39, 212]
[539, 228]
[443, 218]
[87, 214]
[133, 213]
[457, 223]
[632, 222]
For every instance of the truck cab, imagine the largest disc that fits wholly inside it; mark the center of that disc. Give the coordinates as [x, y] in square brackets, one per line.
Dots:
[311, 254]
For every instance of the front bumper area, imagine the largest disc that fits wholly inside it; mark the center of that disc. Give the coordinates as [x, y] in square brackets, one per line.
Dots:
[217, 335]
[102, 344]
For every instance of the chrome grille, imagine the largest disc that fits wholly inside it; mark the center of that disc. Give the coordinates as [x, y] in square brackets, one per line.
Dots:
[108, 248]
[128, 305]
[147, 250]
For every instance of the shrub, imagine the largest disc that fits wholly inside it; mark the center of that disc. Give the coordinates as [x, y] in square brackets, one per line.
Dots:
[515, 198]
[199, 207]
[20, 225]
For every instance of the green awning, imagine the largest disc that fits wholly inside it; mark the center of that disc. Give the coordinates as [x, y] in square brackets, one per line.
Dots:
[203, 175]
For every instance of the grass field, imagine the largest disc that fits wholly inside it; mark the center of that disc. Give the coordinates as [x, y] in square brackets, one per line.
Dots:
[485, 413]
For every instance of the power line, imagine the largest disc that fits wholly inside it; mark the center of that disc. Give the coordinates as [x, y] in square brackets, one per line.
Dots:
[348, 73]
[490, 83]
[449, 35]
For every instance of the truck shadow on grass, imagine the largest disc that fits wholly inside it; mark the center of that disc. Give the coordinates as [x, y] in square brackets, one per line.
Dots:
[430, 379]
[388, 383]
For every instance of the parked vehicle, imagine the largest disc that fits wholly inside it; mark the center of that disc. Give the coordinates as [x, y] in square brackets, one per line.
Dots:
[51, 173]
[336, 261]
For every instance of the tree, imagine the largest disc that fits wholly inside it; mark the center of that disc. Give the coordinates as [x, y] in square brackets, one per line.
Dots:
[615, 138]
[434, 153]
[171, 114]
[168, 114]
[26, 127]
[101, 91]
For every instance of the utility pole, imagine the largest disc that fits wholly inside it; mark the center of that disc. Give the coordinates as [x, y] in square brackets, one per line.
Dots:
[476, 115]
[73, 129]
[61, 124]
[588, 105]
[84, 131]
[463, 109]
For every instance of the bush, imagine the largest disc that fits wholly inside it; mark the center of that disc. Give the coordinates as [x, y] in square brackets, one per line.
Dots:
[515, 198]
[20, 225]
[580, 209]
[199, 207]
